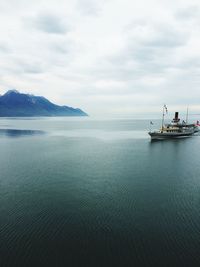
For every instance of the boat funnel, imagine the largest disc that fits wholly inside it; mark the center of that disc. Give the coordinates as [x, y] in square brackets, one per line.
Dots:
[176, 118]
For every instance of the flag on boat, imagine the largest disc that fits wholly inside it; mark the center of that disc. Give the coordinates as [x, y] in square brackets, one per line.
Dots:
[166, 110]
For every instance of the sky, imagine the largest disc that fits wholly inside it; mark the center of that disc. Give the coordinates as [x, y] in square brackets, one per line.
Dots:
[107, 57]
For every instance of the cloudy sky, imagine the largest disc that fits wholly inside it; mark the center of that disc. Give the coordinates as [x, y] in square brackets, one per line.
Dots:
[108, 57]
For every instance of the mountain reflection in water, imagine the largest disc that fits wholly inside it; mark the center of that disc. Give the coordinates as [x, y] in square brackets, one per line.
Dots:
[18, 133]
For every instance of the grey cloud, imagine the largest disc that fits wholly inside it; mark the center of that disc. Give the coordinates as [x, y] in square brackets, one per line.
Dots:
[90, 7]
[167, 38]
[139, 63]
[62, 49]
[50, 24]
[188, 13]
[136, 62]
[64, 46]
[191, 63]
[154, 54]
[31, 68]
[26, 66]
[5, 48]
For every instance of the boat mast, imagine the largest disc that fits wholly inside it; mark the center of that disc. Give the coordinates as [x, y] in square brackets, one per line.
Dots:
[187, 116]
[163, 115]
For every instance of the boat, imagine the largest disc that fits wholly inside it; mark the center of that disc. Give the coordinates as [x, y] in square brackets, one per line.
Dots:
[175, 129]
[197, 127]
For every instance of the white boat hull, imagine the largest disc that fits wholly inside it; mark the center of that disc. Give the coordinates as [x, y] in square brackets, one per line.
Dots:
[164, 135]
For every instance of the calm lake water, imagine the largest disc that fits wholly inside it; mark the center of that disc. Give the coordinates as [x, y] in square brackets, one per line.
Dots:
[85, 192]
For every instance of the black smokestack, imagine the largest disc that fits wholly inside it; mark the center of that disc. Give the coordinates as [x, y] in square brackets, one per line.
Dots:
[176, 116]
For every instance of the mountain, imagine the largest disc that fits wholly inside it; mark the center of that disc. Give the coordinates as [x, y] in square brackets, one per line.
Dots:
[16, 104]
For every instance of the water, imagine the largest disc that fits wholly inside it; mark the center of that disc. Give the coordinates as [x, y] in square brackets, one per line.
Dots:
[84, 192]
